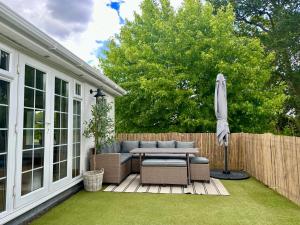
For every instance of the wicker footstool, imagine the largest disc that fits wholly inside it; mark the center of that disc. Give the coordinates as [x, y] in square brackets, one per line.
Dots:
[200, 169]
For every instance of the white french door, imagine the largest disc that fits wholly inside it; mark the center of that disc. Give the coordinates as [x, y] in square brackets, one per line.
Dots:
[33, 132]
[44, 146]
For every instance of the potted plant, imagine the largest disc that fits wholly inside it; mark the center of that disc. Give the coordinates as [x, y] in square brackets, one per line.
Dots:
[99, 127]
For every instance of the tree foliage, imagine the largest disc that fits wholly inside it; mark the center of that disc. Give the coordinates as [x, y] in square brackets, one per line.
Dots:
[168, 61]
[276, 23]
[100, 126]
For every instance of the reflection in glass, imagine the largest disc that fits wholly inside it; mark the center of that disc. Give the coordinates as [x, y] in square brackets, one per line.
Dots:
[2, 166]
[29, 76]
[3, 92]
[38, 138]
[29, 98]
[63, 169]
[37, 179]
[2, 194]
[3, 116]
[28, 118]
[55, 172]
[27, 139]
[4, 60]
[27, 160]
[38, 158]
[3, 141]
[39, 119]
[39, 99]
[40, 80]
[26, 182]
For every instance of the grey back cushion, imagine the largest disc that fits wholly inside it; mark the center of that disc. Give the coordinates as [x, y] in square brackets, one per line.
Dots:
[185, 144]
[129, 145]
[117, 147]
[166, 144]
[148, 144]
[108, 148]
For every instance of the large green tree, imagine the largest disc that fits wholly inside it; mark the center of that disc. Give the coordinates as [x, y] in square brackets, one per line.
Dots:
[276, 23]
[168, 61]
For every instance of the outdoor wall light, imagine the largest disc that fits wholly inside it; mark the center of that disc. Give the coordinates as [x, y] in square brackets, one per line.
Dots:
[99, 93]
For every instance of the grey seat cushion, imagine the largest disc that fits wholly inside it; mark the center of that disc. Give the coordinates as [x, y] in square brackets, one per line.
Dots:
[164, 162]
[166, 144]
[185, 144]
[167, 156]
[199, 160]
[117, 147]
[125, 157]
[148, 144]
[127, 146]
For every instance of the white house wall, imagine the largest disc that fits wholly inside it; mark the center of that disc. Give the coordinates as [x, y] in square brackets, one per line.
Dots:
[16, 204]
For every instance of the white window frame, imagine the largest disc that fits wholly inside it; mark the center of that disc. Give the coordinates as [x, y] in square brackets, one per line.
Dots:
[79, 97]
[10, 73]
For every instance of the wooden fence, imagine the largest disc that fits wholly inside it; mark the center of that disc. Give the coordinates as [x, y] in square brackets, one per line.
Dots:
[274, 160]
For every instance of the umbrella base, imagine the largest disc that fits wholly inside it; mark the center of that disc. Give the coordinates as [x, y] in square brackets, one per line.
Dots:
[229, 175]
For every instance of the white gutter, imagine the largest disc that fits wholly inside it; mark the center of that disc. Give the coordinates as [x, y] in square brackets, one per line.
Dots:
[12, 20]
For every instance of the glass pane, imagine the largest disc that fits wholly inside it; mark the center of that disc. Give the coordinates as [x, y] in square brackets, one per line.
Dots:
[74, 107]
[26, 182]
[56, 172]
[56, 137]
[29, 76]
[64, 136]
[27, 160]
[78, 149]
[3, 116]
[74, 167]
[63, 153]
[74, 150]
[3, 92]
[2, 166]
[37, 179]
[64, 104]
[28, 118]
[39, 119]
[38, 160]
[40, 80]
[63, 169]
[64, 120]
[57, 86]
[39, 99]
[38, 138]
[77, 166]
[2, 194]
[78, 108]
[4, 60]
[3, 141]
[64, 89]
[78, 89]
[57, 103]
[56, 154]
[57, 120]
[27, 139]
[29, 98]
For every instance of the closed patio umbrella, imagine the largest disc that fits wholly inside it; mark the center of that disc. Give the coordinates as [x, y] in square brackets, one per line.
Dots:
[222, 131]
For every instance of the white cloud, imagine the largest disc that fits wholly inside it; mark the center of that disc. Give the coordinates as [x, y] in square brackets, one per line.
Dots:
[79, 35]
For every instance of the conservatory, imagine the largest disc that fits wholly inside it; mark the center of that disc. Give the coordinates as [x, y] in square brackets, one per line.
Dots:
[44, 100]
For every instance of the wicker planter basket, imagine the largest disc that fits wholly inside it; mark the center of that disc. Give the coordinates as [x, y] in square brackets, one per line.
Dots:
[93, 180]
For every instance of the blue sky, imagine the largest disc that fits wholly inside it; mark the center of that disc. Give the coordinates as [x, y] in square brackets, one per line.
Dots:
[82, 26]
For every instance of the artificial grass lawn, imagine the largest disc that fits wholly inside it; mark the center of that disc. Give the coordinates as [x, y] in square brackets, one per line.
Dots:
[250, 203]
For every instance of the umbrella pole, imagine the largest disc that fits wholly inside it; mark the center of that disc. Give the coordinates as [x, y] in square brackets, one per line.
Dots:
[226, 171]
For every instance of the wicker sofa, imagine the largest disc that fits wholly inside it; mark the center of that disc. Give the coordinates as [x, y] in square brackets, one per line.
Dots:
[118, 162]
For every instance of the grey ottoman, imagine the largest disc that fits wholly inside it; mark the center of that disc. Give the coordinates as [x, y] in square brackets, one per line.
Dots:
[200, 169]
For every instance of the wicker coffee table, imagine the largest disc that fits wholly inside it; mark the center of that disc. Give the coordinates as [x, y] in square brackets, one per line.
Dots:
[187, 151]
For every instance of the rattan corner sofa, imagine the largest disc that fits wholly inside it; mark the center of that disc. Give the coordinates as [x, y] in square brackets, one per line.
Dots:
[118, 162]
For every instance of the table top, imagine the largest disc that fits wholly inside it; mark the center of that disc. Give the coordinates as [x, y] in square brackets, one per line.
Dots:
[165, 150]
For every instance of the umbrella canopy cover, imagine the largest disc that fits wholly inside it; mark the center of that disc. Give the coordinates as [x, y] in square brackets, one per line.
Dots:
[221, 110]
